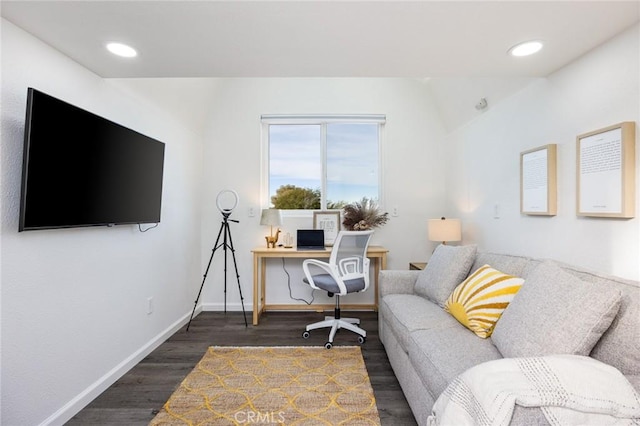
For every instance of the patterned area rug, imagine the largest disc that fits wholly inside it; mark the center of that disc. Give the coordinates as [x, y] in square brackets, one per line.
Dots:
[274, 385]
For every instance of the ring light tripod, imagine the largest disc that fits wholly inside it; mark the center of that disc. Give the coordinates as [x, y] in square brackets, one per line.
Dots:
[227, 243]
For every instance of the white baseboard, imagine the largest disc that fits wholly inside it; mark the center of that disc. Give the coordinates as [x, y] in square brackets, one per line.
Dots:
[232, 307]
[73, 407]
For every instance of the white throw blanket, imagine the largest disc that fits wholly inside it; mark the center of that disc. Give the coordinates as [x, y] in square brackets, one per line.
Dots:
[570, 390]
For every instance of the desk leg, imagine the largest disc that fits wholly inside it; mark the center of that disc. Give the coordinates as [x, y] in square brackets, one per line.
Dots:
[376, 271]
[256, 295]
[263, 285]
[380, 263]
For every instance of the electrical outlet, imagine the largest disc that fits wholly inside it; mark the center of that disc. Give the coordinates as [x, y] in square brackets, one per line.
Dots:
[394, 211]
[149, 305]
[252, 212]
[496, 211]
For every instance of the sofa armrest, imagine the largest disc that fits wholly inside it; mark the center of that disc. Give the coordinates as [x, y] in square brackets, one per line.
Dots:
[397, 282]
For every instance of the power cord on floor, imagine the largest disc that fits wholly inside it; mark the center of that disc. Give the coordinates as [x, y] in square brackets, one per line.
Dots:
[289, 285]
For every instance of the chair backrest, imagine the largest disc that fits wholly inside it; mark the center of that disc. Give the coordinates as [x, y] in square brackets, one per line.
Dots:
[349, 254]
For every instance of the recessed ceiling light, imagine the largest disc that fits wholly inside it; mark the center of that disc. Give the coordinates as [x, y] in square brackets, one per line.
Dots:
[122, 50]
[525, 49]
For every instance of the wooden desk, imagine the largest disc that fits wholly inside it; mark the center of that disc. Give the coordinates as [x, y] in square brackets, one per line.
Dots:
[377, 254]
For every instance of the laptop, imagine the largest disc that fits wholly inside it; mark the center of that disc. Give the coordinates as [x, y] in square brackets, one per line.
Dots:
[310, 239]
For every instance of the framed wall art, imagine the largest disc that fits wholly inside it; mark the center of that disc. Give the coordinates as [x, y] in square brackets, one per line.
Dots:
[538, 181]
[606, 172]
[330, 222]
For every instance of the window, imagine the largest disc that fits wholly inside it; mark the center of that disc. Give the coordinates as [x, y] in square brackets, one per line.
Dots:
[322, 163]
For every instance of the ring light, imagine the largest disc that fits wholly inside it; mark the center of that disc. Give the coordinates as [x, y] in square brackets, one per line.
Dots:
[229, 202]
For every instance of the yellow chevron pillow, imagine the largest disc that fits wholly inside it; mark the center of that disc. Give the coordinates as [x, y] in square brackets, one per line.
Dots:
[478, 301]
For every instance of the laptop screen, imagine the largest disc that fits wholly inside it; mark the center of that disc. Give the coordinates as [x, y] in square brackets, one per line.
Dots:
[310, 238]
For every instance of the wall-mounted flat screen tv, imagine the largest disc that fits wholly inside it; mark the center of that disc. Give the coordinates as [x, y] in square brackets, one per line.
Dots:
[80, 169]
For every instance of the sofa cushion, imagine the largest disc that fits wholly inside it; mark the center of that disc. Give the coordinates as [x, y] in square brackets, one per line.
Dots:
[480, 299]
[418, 396]
[634, 380]
[509, 264]
[620, 344]
[447, 267]
[555, 313]
[528, 416]
[441, 354]
[405, 313]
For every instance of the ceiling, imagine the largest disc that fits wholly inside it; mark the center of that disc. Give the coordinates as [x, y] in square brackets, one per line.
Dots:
[331, 38]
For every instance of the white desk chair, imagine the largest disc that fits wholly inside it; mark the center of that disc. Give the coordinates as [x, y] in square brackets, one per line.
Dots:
[346, 272]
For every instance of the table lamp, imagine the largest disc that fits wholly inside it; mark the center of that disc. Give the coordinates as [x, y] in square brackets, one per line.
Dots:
[271, 217]
[444, 230]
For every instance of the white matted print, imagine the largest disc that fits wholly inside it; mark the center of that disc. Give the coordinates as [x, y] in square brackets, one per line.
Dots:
[606, 172]
[329, 221]
[538, 187]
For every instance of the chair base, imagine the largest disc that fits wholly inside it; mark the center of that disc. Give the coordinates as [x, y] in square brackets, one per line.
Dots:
[350, 324]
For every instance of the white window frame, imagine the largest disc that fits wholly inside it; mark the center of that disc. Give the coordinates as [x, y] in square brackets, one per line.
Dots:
[323, 121]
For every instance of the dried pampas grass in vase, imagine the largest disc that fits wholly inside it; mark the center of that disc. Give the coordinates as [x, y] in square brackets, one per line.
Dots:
[363, 215]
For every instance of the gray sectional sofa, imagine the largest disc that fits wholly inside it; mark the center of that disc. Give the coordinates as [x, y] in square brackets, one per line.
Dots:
[559, 309]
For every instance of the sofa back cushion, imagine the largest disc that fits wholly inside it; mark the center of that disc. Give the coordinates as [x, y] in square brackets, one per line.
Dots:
[518, 266]
[555, 313]
[620, 344]
[447, 267]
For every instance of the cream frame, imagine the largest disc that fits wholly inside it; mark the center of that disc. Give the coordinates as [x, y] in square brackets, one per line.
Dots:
[550, 207]
[626, 175]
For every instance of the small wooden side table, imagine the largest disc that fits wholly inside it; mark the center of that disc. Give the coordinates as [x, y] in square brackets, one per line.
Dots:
[417, 266]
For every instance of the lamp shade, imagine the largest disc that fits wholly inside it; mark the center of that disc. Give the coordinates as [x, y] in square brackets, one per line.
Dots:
[271, 217]
[444, 230]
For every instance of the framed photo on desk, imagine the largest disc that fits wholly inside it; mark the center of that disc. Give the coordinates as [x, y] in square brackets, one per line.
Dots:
[329, 221]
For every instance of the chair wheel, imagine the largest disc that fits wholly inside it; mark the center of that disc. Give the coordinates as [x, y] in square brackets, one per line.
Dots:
[328, 345]
[305, 335]
[361, 339]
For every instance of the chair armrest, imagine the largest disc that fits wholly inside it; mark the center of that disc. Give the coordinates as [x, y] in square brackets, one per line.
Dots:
[397, 282]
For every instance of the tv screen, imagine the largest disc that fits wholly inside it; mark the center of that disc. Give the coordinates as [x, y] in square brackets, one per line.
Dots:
[80, 169]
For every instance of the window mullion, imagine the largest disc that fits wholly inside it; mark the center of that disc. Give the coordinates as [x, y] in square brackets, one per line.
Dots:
[323, 156]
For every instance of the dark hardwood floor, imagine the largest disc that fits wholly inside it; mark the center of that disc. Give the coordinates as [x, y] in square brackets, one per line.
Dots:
[138, 395]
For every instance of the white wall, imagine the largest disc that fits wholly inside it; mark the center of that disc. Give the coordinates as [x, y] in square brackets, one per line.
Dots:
[598, 90]
[412, 169]
[74, 300]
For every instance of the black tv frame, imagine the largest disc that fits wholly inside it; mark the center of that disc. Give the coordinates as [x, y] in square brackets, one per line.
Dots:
[108, 132]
